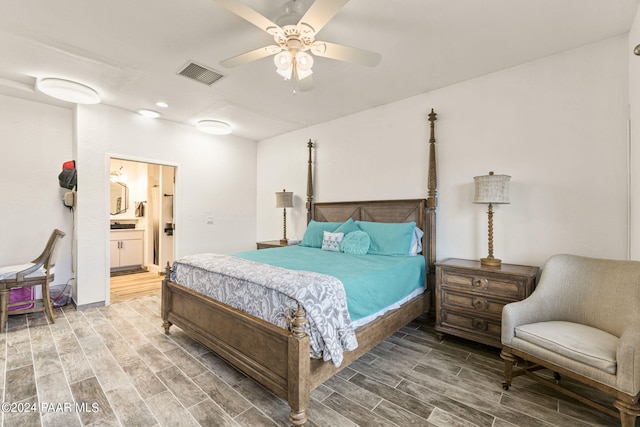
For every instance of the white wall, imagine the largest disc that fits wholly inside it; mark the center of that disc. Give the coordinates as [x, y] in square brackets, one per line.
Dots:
[35, 139]
[634, 101]
[558, 126]
[215, 177]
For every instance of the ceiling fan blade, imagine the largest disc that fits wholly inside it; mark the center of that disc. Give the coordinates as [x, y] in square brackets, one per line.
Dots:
[252, 55]
[321, 12]
[346, 53]
[248, 14]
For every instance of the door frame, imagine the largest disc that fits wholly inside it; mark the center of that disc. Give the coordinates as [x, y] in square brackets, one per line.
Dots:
[107, 180]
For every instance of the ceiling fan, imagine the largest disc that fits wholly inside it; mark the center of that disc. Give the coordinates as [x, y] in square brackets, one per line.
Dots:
[295, 37]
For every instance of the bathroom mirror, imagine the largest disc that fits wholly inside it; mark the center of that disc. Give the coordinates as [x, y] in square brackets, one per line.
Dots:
[119, 198]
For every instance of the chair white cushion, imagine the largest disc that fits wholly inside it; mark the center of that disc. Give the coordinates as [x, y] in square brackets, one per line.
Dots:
[11, 271]
[585, 344]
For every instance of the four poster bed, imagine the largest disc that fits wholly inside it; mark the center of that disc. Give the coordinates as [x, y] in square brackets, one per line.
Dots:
[279, 358]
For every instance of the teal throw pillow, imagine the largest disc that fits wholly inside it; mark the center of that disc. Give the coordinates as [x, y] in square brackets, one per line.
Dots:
[347, 227]
[355, 243]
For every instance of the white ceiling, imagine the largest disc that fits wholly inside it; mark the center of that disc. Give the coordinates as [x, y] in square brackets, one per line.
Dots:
[130, 51]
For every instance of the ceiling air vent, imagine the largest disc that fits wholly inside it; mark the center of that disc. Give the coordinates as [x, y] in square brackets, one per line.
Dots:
[201, 74]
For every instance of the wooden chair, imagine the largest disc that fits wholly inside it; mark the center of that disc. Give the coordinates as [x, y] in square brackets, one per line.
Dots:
[39, 272]
[582, 322]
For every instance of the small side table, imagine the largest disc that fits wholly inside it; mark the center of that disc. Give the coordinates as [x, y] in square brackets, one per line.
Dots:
[470, 297]
[272, 244]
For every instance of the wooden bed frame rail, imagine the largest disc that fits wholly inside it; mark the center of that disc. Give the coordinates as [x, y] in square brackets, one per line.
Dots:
[277, 358]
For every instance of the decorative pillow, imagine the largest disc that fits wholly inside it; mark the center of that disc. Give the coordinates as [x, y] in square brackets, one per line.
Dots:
[355, 243]
[315, 233]
[347, 227]
[388, 238]
[416, 242]
[331, 241]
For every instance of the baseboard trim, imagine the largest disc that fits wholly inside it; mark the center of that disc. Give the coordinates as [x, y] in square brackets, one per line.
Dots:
[86, 306]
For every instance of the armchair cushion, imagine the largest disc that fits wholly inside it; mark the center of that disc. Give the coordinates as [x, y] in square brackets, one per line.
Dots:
[582, 343]
[11, 271]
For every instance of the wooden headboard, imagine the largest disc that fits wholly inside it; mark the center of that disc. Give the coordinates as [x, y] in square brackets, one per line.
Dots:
[378, 211]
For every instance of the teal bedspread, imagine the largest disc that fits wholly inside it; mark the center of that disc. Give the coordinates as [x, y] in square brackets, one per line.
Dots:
[371, 282]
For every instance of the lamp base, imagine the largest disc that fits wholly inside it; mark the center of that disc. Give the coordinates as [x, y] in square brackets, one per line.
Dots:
[284, 242]
[490, 262]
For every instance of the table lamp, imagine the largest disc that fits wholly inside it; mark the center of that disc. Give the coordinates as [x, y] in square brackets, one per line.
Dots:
[284, 200]
[491, 189]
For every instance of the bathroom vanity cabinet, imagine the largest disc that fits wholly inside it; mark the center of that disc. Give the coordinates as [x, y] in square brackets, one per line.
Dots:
[127, 248]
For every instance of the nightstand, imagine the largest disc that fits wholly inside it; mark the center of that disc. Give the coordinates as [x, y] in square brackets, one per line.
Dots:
[272, 244]
[470, 297]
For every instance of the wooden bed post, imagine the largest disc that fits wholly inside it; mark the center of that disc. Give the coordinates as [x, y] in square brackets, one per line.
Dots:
[432, 204]
[309, 184]
[298, 381]
[166, 299]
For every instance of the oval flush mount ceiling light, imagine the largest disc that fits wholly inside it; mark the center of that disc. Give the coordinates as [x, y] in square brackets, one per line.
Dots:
[150, 114]
[67, 90]
[214, 127]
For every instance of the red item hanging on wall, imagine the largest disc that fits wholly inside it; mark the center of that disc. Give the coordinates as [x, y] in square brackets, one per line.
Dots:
[71, 164]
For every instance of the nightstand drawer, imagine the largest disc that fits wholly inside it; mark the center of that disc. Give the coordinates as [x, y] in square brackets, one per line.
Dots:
[478, 328]
[477, 303]
[511, 289]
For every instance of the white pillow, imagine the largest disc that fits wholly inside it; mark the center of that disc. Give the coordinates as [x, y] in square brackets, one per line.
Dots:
[416, 242]
[331, 241]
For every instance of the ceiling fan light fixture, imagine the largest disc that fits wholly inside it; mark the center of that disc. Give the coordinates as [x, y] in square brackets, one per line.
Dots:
[67, 90]
[213, 127]
[304, 62]
[284, 64]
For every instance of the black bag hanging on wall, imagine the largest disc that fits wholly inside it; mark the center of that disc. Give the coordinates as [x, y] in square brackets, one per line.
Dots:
[68, 176]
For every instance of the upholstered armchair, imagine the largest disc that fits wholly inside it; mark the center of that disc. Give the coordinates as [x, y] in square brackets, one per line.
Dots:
[582, 322]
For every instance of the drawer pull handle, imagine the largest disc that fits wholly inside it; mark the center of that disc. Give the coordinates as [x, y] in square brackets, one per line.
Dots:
[478, 283]
[480, 304]
[480, 325]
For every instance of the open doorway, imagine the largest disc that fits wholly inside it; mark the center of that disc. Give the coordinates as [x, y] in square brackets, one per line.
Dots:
[141, 220]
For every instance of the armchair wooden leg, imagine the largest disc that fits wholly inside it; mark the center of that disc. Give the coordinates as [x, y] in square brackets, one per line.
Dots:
[46, 299]
[4, 308]
[628, 412]
[509, 361]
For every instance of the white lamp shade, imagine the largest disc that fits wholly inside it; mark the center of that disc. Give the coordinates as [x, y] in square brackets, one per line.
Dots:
[491, 188]
[214, 127]
[284, 199]
[67, 90]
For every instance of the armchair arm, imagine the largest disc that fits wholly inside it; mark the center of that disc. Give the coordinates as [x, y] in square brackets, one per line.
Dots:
[21, 274]
[628, 360]
[538, 307]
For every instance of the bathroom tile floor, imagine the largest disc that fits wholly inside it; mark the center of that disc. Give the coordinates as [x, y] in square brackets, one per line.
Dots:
[114, 366]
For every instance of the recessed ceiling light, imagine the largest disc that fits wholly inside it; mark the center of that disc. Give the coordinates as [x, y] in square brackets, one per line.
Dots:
[150, 114]
[162, 104]
[214, 127]
[67, 90]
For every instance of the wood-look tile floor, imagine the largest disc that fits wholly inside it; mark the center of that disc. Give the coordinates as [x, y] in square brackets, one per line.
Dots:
[120, 368]
[137, 285]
